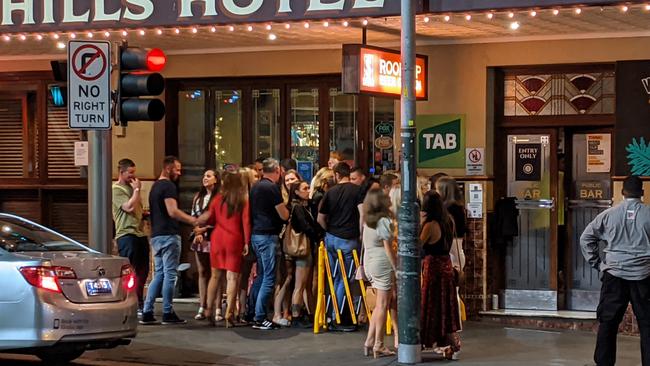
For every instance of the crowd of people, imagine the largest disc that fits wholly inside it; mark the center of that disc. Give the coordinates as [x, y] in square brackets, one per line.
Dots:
[256, 234]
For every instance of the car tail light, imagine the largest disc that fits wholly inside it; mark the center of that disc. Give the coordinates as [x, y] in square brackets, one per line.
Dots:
[128, 277]
[46, 278]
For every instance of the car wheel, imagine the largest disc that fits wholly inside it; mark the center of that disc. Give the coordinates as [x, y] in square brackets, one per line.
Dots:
[60, 356]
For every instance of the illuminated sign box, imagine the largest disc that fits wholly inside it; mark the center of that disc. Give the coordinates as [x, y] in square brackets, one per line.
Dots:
[378, 71]
[442, 6]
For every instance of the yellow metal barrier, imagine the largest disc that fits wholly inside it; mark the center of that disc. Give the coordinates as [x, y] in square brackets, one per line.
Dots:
[362, 285]
[348, 293]
[320, 318]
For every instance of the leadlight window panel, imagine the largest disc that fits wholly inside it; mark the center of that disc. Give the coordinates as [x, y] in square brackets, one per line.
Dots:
[559, 94]
[60, 144]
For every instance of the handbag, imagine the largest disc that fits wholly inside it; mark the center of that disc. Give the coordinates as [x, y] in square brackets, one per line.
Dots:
[294, 244]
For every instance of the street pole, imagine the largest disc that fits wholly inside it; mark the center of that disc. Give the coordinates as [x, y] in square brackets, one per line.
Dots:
[408, 268]
[100, 219]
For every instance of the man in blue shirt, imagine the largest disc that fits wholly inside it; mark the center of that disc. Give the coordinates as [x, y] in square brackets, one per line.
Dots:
[624, 268]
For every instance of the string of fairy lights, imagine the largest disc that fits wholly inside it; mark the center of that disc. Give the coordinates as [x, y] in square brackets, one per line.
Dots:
[515, 20]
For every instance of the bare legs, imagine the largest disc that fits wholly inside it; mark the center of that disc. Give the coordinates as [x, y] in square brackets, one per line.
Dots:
[214, 291]
[232, 288]
[203, 267]
[302, 276]
[282, 295]
[377, 328]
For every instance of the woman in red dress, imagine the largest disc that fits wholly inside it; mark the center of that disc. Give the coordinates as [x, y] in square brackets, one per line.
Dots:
[229, 214]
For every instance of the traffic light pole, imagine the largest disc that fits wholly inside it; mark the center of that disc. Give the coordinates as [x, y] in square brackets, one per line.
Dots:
[408, 269]
[100, 219]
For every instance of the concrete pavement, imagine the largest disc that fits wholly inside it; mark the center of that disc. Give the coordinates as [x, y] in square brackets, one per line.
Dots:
[196, 344]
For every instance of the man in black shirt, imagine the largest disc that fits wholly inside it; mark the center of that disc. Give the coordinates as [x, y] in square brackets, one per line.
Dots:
[339, 215]
[268, 213]
[165, 241]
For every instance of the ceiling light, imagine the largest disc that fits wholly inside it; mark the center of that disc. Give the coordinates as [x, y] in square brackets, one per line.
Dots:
[195, 30]
[125, 33]
[273, 37]
[39, 37]
[107, 34]
[624, 8]
[647, 7]
[287, 26]
[142, 32]
[365, 22]
[447, 18]
[427, 19]
[346, 23]
[514, 25]
[56, 36]
[213, 29]
[231, 29]
[326, 24]
[6, 38]
[468, 17]
[60, 45]
[533, 13]
[249, 28]
[556, 12]
[578, 11]
[159, 32]
[268, 27]
[89, 35]
[306, 25]
[511, 15]
[177, 31]
[489, 15]
[22, 37]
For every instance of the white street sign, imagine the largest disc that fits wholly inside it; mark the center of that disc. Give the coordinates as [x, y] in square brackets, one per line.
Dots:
[89, 85]
[474, 161]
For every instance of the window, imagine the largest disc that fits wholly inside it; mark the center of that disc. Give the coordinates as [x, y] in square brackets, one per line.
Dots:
[305, 125]
[266, 123]
[343, 124]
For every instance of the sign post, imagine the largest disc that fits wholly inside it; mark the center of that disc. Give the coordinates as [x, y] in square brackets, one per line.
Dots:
[89, 108]
[408, 268]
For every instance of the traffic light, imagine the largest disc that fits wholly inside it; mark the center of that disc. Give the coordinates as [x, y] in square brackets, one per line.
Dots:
[139, 78]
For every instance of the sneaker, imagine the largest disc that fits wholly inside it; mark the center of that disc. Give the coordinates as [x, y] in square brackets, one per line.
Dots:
[148, 318]
[265, 325]
[172, 318]
[342, 328]
[139, 313]
[302, 323]
[283, 323]
[199, 314]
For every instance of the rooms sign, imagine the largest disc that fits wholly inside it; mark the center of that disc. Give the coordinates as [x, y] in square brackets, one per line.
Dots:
[61, 15]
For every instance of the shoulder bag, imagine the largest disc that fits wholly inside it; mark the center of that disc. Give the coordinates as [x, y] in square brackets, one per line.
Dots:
[294, 244]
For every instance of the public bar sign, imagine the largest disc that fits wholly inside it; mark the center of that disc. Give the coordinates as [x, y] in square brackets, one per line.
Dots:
[67, 15]
[89, 89]
[378, 71]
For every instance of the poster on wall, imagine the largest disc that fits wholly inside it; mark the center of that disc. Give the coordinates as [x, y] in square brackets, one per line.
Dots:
[599, 153]
[306, 170]
[441, 141]
[528, 162]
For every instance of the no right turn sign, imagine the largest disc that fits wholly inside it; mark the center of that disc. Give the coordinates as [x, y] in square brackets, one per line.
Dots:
[89, 85]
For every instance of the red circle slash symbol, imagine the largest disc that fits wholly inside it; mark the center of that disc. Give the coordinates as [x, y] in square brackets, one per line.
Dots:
[475, 156]
[85, 57]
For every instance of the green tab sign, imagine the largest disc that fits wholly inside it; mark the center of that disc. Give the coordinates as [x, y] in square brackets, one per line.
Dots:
[441, 141]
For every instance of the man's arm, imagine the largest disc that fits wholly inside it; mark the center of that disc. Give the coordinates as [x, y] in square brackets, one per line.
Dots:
[176, 214]
[322, 220]
[589, 241]
[283, 211]
[129, 206]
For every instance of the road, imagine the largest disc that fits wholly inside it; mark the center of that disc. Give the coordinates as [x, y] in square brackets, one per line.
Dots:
[196, 344]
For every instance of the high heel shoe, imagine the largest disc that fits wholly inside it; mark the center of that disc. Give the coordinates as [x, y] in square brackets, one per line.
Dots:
[367, 350]
[230, 321]
[207, 313]
[448, 354]
[381, 351]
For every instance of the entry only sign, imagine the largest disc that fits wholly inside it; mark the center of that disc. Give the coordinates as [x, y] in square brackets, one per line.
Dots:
[89, 85]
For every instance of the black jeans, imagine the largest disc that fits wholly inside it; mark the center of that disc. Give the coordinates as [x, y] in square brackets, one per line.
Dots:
[615, 295]
[137, 250]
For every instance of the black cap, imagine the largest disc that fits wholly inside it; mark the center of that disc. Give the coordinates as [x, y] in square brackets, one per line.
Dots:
[633, 186]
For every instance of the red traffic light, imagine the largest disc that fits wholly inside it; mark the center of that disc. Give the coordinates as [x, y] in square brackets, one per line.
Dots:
[156, 60]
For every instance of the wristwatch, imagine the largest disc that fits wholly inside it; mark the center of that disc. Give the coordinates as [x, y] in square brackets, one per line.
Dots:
[136, 190]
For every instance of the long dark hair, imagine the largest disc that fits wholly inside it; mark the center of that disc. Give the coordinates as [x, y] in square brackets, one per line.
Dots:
[376, 206]
[198, 198]
[292, 191]
[234, 192]
[436, 211]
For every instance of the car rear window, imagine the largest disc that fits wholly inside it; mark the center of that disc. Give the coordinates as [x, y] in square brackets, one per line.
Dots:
[20, 236]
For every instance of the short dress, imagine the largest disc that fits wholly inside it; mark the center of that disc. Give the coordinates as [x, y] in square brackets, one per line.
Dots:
[375, 260]
[229, 236]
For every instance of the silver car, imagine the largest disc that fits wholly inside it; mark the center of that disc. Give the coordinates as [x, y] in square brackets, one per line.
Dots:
[59, 298]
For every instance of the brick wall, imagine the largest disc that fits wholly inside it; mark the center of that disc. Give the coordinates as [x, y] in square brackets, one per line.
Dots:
[472, 290]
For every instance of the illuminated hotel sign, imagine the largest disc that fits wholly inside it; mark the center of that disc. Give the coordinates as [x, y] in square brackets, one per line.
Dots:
[442, 6]
[378, 71]
[66, 15]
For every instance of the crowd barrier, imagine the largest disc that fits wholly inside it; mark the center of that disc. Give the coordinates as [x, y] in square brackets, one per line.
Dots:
[326, 294]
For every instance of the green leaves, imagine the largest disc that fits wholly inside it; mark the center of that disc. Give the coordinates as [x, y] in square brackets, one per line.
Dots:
[639, 157]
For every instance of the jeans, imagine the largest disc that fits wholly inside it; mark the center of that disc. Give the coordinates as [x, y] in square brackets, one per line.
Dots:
[166, 257]
[137, 250]
[264, 246]
[615, 294]
[333, 244]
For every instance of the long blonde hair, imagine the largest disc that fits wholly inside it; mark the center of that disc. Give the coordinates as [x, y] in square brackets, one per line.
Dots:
[234, 192]
[320, 179]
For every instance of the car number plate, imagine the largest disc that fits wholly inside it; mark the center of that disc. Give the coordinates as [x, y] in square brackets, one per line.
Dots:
[98, 287]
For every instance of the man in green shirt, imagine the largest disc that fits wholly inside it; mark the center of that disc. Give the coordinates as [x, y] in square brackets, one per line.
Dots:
[132, 243]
